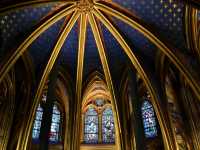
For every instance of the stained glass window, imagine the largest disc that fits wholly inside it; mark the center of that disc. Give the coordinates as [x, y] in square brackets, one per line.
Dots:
[91, 126]
[37, 123]
[108, 130]
[55, 125]
[149, 120]
[54, 134]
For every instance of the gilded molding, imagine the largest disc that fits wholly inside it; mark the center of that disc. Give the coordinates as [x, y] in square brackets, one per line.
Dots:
[81, 51]
[193, 3]
[48, 68]
[92, 10]
[169, 144]
[30, 78]
[191, 29]
[64, 98]
[79, 78]
[137, 24]
[104, 62]
[193, 118]
[130, 138]
[94, 76]
[8, 64]
[96, 88]
[66, 79]
[7, 112]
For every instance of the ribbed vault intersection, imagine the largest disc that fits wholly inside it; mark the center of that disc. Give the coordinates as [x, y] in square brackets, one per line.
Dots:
[94, 14]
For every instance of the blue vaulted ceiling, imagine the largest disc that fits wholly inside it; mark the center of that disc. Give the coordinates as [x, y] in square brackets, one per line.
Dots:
[69, 51]
[165, 16]
[42, 47]
[115, 55]
[92, 59]
[17, 25]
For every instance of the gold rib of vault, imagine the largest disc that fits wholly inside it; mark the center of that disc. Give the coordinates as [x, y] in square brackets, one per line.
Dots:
[79, 78]
[191, 79]
[168, 143]
[5, 67]
[104, 62]
[191, 29]
[33, 3]
[193, 3]
[45, 75]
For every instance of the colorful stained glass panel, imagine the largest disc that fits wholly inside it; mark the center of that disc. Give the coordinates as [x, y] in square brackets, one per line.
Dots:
[91, 126]
[55, 125]
[149, 120]
[108, 129]
[37, 123]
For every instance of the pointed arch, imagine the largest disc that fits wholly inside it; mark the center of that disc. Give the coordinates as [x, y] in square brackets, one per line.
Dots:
[106, 68]
[60, 129]
[94, 88]
[7, 107]
[64, 93]
[96, 96]
[11, 59]
[177, 59]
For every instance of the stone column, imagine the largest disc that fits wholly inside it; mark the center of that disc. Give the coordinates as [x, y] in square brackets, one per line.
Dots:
[191, 109]
[138, 124]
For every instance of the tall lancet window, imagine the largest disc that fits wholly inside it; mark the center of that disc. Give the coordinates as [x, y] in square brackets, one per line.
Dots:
[54, 135]
[91, 126]
[37, 123]
[149, 120]
[108, 129]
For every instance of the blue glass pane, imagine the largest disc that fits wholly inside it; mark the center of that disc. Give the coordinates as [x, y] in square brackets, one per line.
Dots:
[91, 111]
[108, 128]
[108, 111]
[91, 138]
[149, 120]
[35, 134]
[91, 126]
[37, 123]
[55, 125]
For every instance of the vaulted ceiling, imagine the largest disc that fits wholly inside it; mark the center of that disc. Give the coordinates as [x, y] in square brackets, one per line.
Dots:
[165, 17]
